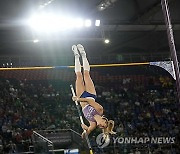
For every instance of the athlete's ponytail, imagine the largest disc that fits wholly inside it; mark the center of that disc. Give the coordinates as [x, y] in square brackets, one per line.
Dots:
[109, 129]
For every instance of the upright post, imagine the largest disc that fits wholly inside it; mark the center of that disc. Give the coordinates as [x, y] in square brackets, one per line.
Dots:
[165, 9]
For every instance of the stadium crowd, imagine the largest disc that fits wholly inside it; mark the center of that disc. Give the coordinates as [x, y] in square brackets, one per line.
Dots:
[149, 109]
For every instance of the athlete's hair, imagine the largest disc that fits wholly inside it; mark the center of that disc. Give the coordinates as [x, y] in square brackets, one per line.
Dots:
[110, 125]
[109, 129]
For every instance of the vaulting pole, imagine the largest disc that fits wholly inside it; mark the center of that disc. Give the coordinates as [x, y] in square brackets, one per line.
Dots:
[81, 119]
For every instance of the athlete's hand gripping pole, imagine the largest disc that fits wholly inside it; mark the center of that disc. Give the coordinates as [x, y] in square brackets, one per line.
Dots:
[81, 119]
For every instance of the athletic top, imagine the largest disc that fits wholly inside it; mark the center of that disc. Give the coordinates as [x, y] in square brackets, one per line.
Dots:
[89, 111]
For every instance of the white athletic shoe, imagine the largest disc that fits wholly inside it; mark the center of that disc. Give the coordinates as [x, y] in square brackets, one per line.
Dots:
[75, 50]
[81, 50]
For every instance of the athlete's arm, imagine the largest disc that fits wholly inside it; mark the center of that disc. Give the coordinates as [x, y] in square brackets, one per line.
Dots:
[88, 129]
[80, 99]
[91, 102]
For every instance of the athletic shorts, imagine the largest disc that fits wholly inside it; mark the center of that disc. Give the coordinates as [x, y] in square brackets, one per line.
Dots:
[86, 94]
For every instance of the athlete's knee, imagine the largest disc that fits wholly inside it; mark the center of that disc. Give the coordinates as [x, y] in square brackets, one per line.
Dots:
[86, 74]
[79, 75]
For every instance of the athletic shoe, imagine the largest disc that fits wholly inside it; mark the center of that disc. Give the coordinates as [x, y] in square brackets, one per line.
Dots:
[75, 50]
[81, 50]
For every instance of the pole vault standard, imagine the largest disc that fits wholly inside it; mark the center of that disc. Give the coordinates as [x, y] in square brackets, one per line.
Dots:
[81, 119]
[165, 9]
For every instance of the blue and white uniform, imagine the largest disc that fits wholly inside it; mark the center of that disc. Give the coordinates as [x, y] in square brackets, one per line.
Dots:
[89, 111]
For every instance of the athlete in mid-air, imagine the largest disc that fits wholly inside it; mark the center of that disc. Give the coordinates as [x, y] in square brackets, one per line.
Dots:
[86, 95]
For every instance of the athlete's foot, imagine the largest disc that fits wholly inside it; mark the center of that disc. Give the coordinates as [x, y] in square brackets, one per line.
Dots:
[75, 50]
[81, 50]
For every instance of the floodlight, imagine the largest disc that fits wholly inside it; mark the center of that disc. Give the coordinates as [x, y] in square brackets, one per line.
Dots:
[44, 22]
[105, 4]
[48, 22]
[87, 23]
[79, 23]
[101, 7]
[97, 23]
[36, 41]
[106, 41]
[65, 23]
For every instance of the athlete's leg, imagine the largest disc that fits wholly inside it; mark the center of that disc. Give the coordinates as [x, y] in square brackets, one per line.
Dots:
[79, 78]
[89, 85]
